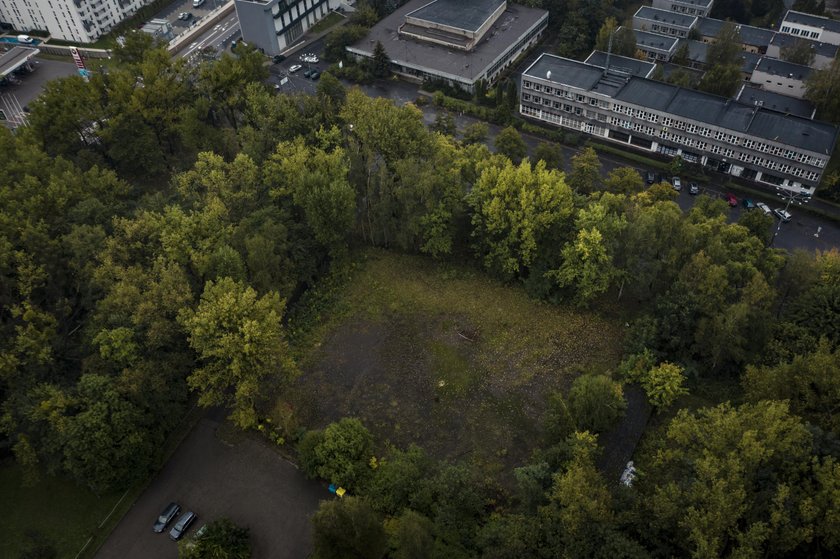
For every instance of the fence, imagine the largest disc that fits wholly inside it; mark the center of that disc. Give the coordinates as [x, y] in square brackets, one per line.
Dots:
[47, 48]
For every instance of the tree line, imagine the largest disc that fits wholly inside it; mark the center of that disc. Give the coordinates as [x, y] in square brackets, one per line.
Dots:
[157, 221]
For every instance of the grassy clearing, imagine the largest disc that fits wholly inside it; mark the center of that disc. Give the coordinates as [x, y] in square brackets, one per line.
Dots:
[442, 356]
[67, 515]
[332, 19]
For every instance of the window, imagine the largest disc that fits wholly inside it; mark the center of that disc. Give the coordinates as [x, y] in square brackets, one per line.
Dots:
[814, 34]
[785, 29]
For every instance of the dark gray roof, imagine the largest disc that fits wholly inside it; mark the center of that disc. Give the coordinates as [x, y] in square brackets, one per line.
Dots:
[698, 50]
[775, 101]
[702, 107]
[468, 15]
[654, 40]
[783, 40]
[754, 36]
[783, 69]
[665, 16]
[514, 23]
[813, 21]
[704, 3]
[15, 58]
[624, 64]
[570, 72]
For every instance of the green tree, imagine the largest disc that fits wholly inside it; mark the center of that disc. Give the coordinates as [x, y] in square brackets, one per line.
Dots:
[759, 224]
[624, 180]
[821, 87]
[344, 452]
[681, 55]
[410, 536]
[729, 481]
[587, 267]
[800, 51]
[222, 539]
[341, 37]
[239, 340]
[348, 528]
[586, 172]
[602, 40]
[444, 123]
[663, 384]
[400, 479]
[330, 88]
[623, 40]
[381, 63]
[551, 154]
[510, 143]
[475, 133]
[596, 402]
[811, 383]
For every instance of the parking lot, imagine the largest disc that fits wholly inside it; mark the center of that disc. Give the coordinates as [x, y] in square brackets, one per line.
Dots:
[246, 482]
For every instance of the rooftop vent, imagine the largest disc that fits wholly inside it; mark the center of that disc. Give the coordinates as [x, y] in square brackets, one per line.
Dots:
[548, 75]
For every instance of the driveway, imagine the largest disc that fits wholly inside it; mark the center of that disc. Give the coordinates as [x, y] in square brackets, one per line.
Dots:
[246, 481]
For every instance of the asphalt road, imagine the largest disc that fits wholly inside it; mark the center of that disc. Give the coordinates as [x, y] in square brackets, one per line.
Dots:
[248, 483]
[218, 37]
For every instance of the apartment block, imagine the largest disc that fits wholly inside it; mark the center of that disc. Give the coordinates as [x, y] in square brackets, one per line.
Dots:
[81, 21]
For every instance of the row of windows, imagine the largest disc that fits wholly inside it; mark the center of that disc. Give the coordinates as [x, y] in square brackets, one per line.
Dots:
[801, 32]
[667, 122]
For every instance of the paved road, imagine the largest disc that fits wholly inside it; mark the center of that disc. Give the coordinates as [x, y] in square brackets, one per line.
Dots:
[248, 482]
[218, 37]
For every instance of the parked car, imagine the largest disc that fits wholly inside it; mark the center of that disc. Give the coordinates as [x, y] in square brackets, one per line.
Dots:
[166, 516]
[748, 204]
[650, 177]
[676, 183]
[764, 208]
[693, 188]
[294, 68]
[181, 527]
[278, 58]
[784, 215]
[185, 16]
[197, 3]
[25, 39]
[308, 72]
[315, 75]
[731, 199]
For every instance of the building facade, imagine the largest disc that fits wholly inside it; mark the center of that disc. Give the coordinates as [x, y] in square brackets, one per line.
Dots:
[824, 53]
[782, 77]
[275, 25]
[747, 141]
[691, 7]
[81, 21]
[659, 48]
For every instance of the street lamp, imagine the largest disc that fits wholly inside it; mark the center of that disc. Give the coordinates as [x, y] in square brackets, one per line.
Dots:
[800, 197]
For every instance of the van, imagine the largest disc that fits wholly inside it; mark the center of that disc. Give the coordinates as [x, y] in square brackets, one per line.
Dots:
[24, 39]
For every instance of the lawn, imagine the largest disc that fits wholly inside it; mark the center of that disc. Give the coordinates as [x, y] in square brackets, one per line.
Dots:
[443, 356]
[65, 514]
[332, 19]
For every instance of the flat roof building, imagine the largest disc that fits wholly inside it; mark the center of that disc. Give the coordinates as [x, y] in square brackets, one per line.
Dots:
[655, 46]
[824, 53]
[475, 41]
[663, 22]
[753, 39]
[780, 103]
[781, 77]
[809, 26]
[691, 7]
[744, 140]
[623, 64]
[698, 51]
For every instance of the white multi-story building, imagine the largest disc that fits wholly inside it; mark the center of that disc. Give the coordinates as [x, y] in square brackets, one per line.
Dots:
[81, 21]
[275, 25]
[811, 27]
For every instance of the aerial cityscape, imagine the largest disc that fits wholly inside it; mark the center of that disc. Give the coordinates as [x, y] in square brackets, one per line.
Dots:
[405, 279]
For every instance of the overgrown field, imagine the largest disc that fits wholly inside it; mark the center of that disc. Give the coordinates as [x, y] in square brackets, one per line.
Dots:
[63, 513]
[444, 357]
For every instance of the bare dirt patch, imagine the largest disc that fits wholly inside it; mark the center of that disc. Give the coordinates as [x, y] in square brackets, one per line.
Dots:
[447, 359]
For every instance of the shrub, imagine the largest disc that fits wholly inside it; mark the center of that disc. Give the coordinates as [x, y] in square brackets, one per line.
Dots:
[596, 402]
[340, 453]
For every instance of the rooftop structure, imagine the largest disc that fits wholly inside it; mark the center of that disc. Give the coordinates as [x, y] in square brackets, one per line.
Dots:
[656, 46]
[690, 7]
[663, 21]
[775, 101]
[457, 24]
[810, 26]
[824, 53]
[428, 55]
[783, 69]
[621, 64]
[756, 37]
[698, 50]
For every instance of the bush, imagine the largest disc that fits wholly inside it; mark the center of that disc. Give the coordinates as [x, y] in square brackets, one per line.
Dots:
[596, 403]
[347, 528]
[340, 453]
[309, 462]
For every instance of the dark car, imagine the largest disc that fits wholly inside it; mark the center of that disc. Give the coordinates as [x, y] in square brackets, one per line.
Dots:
[650, 177]
[182, 526]
[693, 188]
[731, 199]
[171, 510]
[315, 75]
[308, 72]
[278, 58]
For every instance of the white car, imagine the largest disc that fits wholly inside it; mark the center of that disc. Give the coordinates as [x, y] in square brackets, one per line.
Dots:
[784, 215]
[197, 3]
[763, 207]
[294, 68]
[676, 183]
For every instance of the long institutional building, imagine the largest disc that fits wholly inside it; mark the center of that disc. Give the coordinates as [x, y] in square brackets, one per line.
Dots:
[81, 21]
[618, 104]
